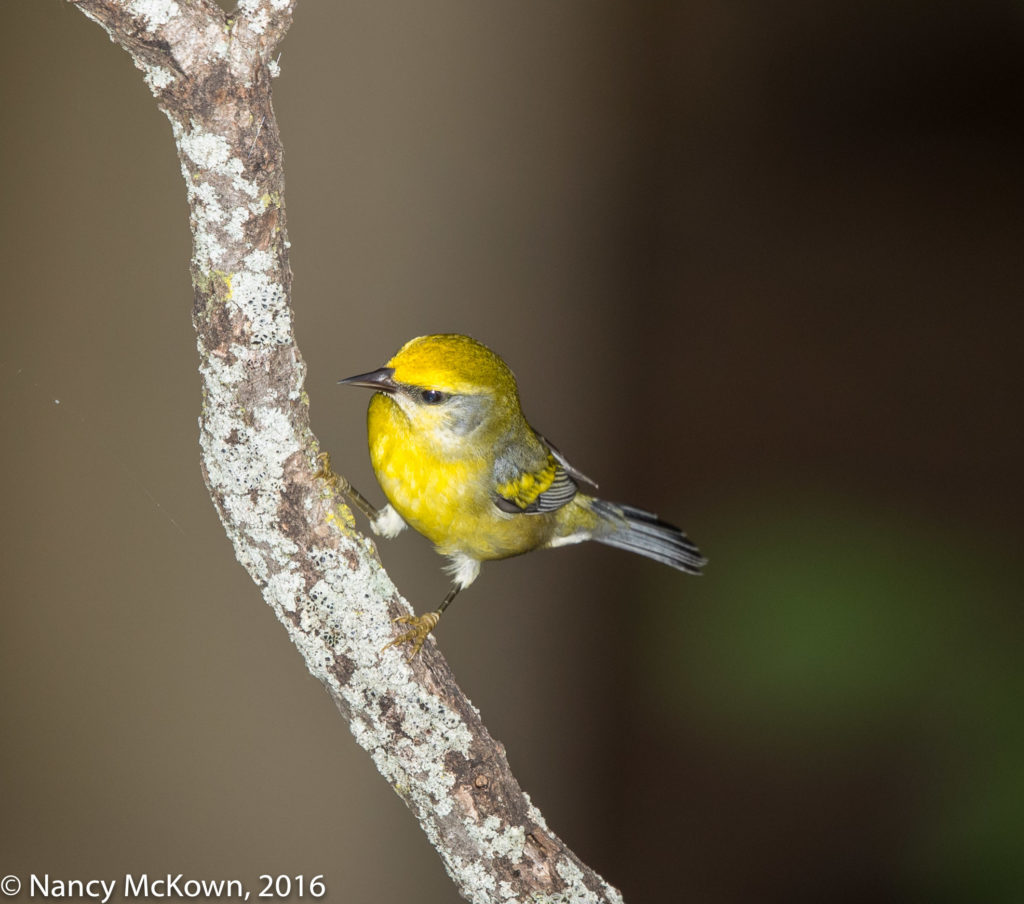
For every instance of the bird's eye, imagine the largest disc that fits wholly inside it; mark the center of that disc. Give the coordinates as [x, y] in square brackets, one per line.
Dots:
[433, 396]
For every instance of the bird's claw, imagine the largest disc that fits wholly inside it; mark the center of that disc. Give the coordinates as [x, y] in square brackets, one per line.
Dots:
[327, 474]
[422, 625]
[339, 484]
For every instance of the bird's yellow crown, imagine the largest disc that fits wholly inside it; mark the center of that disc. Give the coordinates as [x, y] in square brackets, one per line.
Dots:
[453, 363]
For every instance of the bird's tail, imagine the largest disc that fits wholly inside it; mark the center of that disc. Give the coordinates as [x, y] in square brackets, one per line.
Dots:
[646, 534]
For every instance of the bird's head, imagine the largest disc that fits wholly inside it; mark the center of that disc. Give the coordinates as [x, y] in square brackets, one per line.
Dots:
[449, 386]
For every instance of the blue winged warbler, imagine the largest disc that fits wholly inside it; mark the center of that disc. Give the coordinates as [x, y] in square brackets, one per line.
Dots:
[459, 462]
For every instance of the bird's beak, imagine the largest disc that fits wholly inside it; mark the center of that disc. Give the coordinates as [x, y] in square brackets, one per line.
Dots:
[381, 379]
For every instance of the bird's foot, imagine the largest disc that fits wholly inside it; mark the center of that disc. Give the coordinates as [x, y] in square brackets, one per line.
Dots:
[422, 625]
[340, 484]
[326, 473]
[339, 487]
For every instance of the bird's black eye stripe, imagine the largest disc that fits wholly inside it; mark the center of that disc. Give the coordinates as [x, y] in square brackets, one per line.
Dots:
[433, 396]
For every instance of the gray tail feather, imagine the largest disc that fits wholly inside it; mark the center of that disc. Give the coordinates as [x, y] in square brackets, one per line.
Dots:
[646, 534]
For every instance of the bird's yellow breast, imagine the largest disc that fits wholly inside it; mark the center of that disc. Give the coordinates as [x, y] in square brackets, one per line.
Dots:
[445, 494]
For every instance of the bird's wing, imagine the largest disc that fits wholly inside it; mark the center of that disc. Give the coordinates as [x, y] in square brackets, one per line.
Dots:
[575, 473]
[544, 488]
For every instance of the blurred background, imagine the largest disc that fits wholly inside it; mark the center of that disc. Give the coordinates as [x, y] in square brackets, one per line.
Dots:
[756, 266]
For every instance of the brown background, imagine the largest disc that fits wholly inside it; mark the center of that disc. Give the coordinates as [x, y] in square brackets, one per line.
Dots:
[757, 266]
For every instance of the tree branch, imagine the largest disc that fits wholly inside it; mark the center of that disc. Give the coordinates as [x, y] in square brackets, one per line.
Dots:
[210, 73]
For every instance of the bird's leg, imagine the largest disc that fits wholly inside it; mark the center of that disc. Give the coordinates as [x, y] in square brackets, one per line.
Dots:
[341, 485]
[422, 625]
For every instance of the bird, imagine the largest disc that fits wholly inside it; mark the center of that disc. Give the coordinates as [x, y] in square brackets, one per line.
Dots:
[459, 463]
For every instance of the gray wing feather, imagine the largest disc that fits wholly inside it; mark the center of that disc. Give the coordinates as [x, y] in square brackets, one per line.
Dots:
[562, 491]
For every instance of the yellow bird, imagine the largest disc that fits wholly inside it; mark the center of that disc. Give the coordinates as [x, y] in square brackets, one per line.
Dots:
[458, 462]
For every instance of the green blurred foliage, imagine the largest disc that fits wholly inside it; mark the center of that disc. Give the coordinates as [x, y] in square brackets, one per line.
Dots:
[824, 629]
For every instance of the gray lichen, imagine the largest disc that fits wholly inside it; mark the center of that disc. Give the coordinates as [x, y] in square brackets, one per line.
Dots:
[211, 76]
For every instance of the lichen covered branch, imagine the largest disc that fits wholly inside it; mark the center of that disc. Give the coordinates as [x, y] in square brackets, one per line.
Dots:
[211, 73]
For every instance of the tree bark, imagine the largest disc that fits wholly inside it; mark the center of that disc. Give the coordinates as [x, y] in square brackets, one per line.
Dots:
[210, 73]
